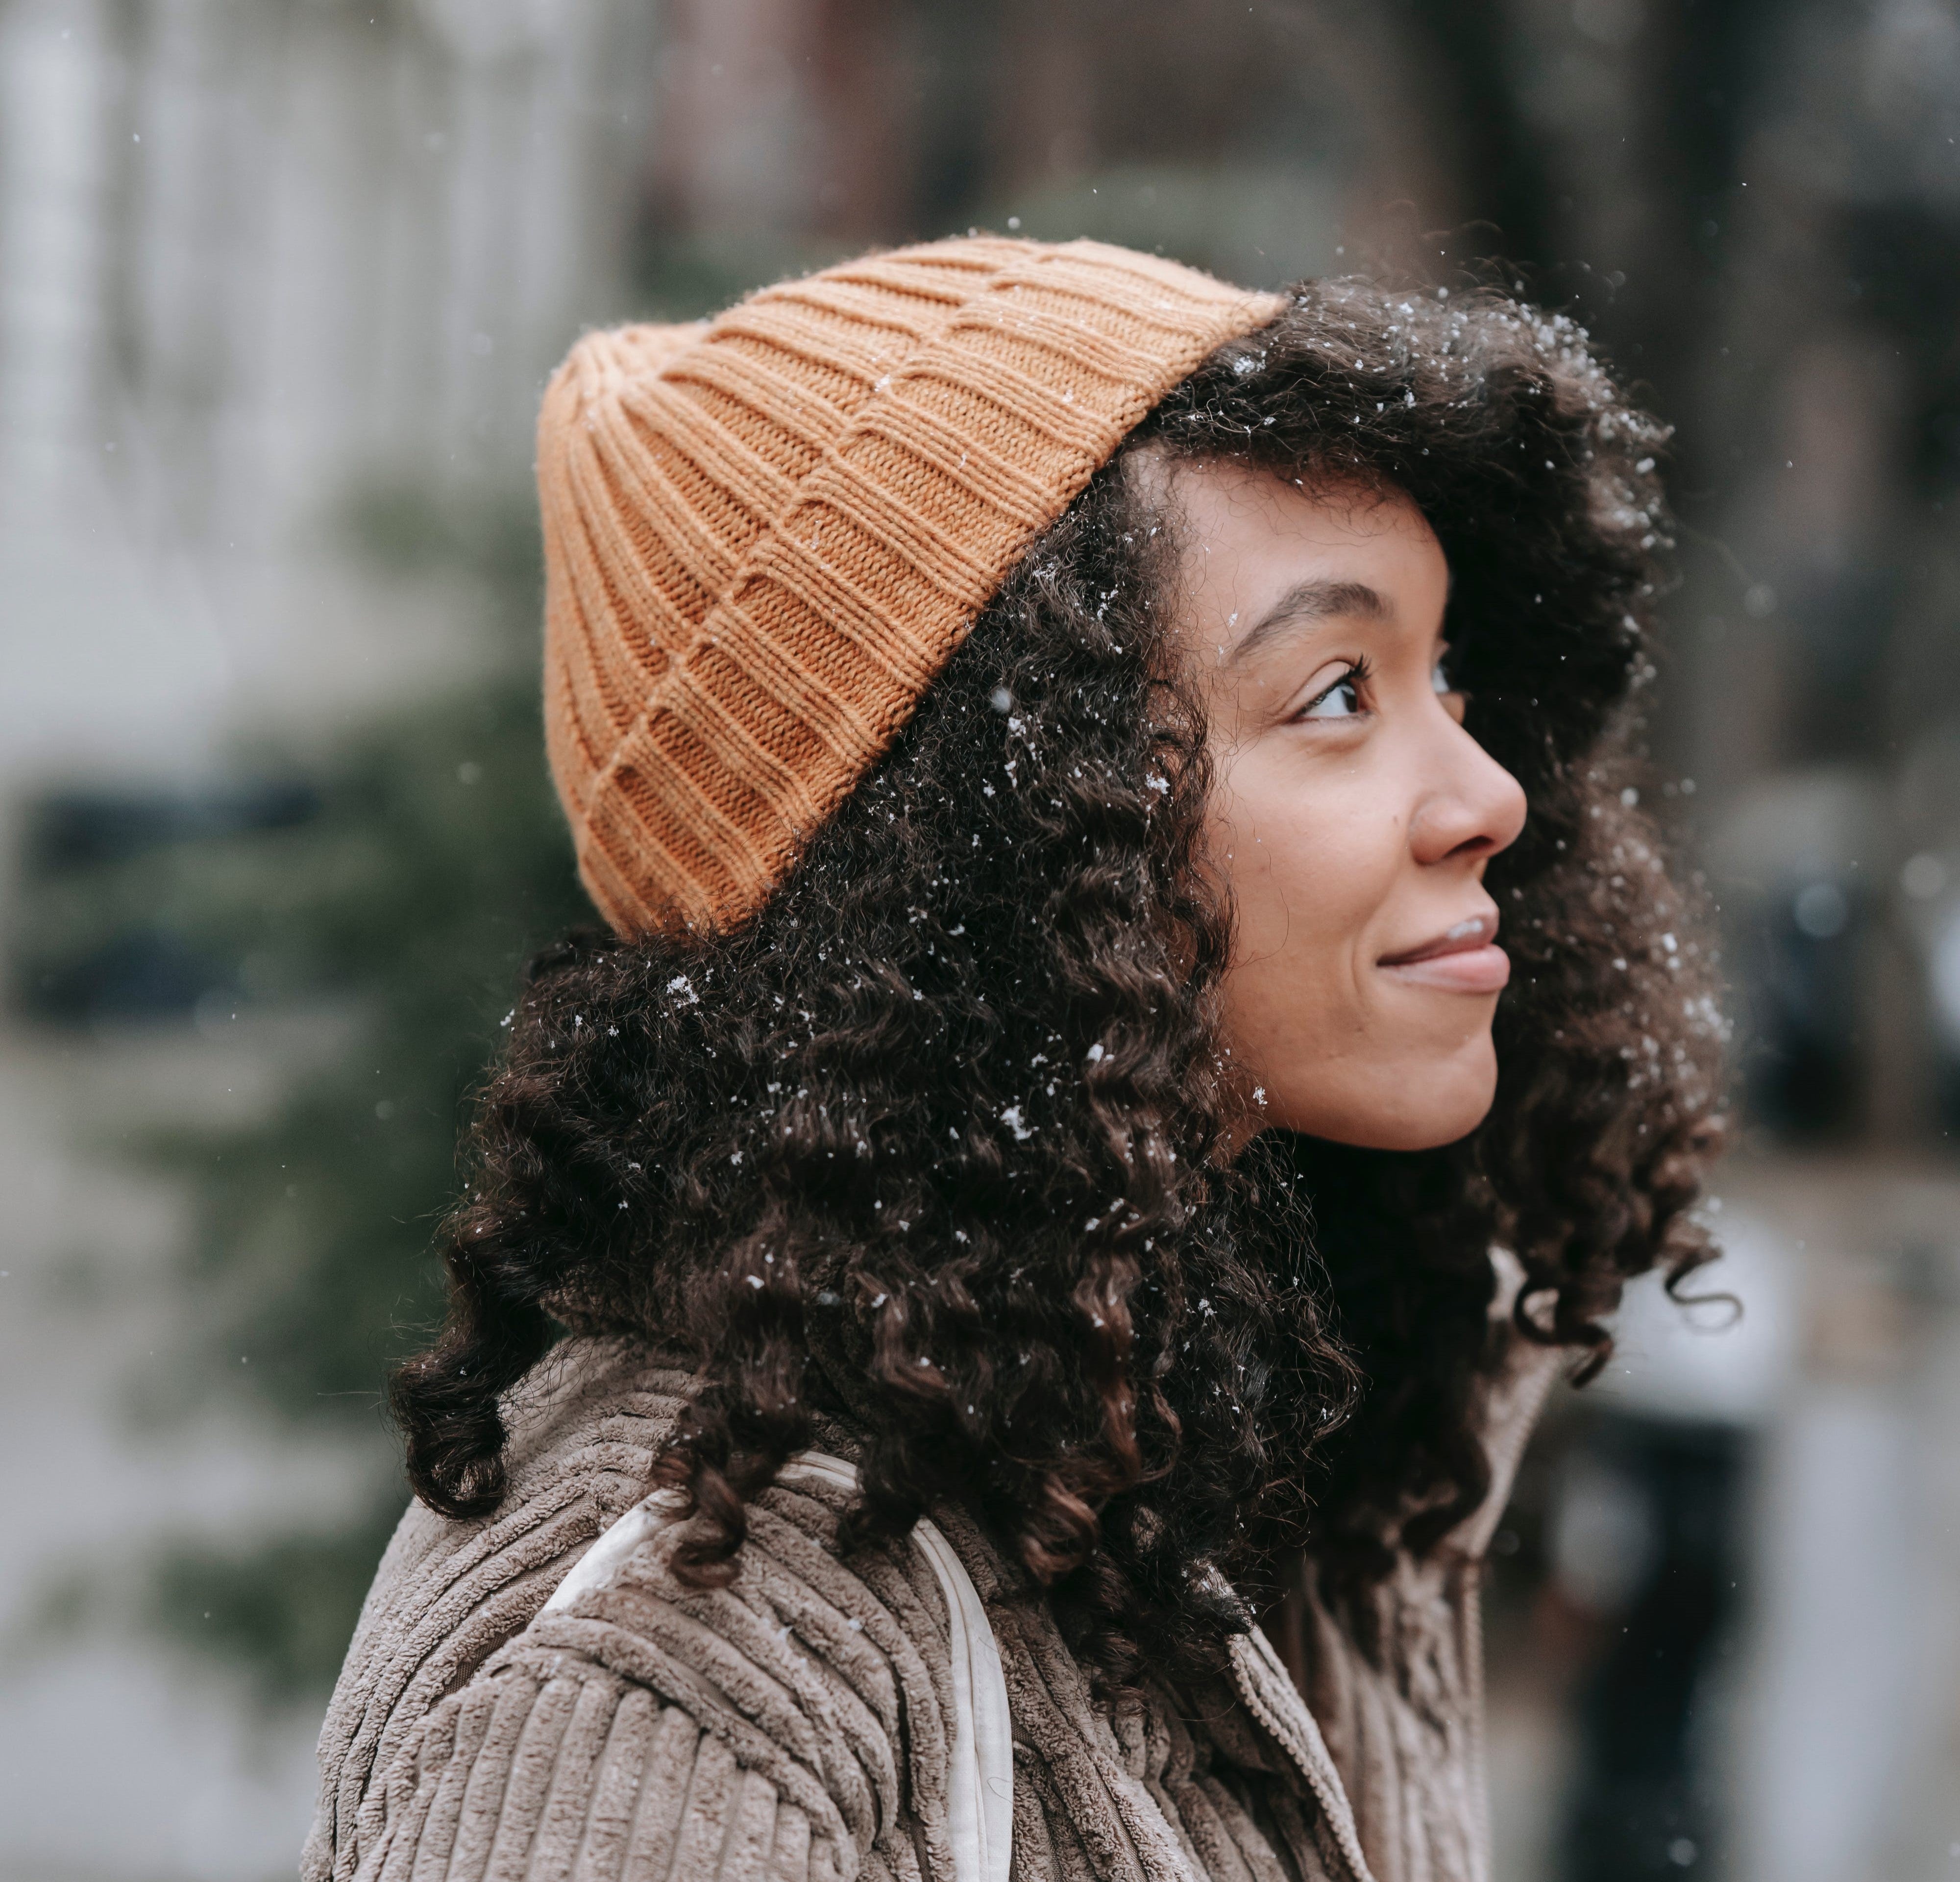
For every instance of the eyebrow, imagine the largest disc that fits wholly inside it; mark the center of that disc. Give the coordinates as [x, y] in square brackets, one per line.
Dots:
[1308, 601]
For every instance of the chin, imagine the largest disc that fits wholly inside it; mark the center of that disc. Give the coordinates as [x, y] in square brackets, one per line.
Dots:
[1417, 1106]
[1430, 1132]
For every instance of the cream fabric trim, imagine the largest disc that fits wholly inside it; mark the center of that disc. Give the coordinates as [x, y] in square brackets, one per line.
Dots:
[980, 1778]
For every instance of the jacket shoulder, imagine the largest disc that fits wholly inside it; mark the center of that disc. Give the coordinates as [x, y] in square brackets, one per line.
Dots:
[793, 1708]
[586, 1425]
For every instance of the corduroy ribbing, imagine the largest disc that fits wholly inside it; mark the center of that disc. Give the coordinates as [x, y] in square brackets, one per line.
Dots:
[765, 535]
[793, 1727]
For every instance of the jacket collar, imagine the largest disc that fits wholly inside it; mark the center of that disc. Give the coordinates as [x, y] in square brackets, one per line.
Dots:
[1267, 1691]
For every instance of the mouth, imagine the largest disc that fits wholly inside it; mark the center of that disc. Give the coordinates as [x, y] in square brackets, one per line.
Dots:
[1462, 958]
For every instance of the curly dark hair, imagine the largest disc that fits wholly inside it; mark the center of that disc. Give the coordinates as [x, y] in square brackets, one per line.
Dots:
[933, 1141]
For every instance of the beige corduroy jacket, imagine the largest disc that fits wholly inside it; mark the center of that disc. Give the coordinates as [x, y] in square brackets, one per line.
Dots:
[796, 1726]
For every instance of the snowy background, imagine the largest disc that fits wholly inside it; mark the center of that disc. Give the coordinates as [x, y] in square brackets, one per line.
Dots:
[279, 283]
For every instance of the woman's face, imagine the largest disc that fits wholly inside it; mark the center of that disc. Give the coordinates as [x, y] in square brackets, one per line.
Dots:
[1353, 816]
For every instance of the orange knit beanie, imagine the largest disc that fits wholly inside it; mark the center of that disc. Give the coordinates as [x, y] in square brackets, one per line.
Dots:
[766, 534]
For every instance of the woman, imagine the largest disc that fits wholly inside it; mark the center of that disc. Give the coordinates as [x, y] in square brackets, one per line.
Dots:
[1045, 1195]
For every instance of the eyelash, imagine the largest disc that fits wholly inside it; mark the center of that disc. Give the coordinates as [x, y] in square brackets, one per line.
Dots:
[1357, 676]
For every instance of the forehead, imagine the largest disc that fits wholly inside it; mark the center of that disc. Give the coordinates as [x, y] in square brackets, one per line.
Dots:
[1211, 498]
[1245, 537]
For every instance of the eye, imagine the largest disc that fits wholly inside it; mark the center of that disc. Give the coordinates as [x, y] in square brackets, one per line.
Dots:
[1439, 677]
[1342, 700]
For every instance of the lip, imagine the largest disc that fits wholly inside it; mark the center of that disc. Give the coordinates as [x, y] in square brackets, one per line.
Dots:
[1465, 958]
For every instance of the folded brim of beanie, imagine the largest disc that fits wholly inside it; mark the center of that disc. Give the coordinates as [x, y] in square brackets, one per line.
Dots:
[766, 534]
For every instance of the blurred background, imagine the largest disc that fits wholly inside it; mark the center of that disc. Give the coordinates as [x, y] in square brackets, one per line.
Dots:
[280, 280]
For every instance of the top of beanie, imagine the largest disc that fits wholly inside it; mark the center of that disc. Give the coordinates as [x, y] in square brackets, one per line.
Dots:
[766, 534]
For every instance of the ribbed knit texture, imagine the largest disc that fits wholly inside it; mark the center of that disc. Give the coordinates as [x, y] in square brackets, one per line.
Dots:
[795, 1726]
[764, 536]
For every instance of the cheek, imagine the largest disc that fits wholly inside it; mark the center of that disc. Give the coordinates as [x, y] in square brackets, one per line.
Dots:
[1308, 871]
[1310, 862]
[1313, 863]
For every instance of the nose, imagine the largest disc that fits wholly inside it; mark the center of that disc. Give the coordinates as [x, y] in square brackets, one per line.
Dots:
[1473, 808]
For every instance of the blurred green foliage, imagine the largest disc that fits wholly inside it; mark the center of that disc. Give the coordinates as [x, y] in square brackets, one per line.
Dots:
[435, 861]
[280, 1610]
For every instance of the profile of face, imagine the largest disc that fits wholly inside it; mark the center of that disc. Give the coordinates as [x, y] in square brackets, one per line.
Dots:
[1352, 817]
